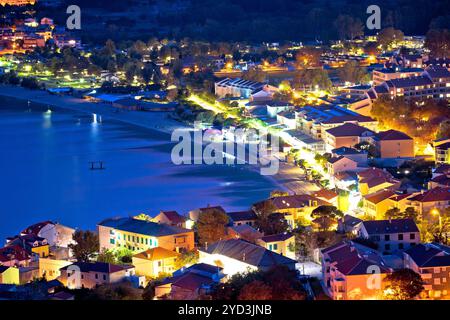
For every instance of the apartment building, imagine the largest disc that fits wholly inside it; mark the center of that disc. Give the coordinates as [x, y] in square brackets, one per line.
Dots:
[139, 235]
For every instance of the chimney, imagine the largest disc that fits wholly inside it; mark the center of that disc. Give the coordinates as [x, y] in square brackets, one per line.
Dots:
[390, 220]
[243, 257]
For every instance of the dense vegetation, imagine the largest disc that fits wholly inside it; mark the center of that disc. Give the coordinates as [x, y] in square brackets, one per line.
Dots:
[267, 20]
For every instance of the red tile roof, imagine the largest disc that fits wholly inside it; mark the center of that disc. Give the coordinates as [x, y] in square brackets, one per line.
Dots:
[174, 216]
[13, 252]
[296, 201]
[435, 194]
[349, 130]
[379, 196]
[392, 135]
[36, 228]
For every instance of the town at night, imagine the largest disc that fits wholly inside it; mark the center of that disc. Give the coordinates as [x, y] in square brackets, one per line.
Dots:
[231, 152]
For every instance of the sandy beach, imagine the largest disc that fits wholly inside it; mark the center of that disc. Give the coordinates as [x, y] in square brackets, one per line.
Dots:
[289, 178]
[151, 120]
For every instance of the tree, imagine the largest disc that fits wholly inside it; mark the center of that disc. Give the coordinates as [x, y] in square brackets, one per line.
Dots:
[348, 27]
[149, 291]
[254, 74]
[186, 259]
[325, 216]
[273, 223]
[116, 291]
[393, 213]
[313, 78]
[307, 57]
[438, 42]
[278, 283]
[403, 284]
[255, 290]
[352, 72]
[86, 245]
[106, 256]
[389, 37]
[211, 226]
[278, 193]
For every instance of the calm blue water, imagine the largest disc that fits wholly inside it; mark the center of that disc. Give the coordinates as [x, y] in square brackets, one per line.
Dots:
[45, 172]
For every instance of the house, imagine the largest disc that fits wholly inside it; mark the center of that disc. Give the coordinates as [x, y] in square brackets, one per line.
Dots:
[327, 195]
[275, 107]
[31, 243]
[293, 206]
[383, 75]
[245, 232]
[172, 218]
[340, 164]
[28, 274]
[88, 275]
[391, 235]
[432, 262]
[153, 262]
[353, 272]
[194, 214]
[433, 83]
[376, 204]
[283, 243]
[287, 118]
[434, 199]
[236, 255]
[442, 151]
[239, 88]
[50, 268]
[14, 255]
[347, 224]
[356, 155]
[139, 235]
[394, 144]
[55, 233]
[242, 217]
[190, 283]
[440, 177]
[401, 201]
[372, 180]
[315, 120]
[9, 275]
[346, 135]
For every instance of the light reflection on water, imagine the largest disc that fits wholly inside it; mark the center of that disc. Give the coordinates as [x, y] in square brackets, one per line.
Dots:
[45, 171]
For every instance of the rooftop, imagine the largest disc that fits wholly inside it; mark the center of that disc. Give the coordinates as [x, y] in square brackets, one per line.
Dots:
[247, 252]
[142, 227]
[390, 226]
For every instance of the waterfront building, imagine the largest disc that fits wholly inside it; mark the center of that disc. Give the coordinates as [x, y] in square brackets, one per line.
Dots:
[139, 235]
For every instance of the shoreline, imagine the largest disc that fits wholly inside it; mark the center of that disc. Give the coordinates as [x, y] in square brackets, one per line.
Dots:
[155, 121]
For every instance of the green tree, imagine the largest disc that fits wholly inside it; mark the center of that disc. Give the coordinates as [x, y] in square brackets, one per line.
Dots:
[389, 37]
[403, 284]
[107, 256]
[326, 216]
[438, 42]
[186, 259]
[353, 72]
[348, 27]
[211, 226]
[86, 245]
[254, 74]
